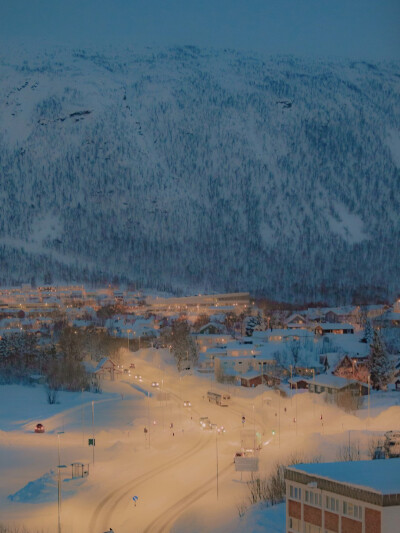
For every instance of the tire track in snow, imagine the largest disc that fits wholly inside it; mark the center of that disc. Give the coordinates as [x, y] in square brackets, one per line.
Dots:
[166, 519]
[106, 508]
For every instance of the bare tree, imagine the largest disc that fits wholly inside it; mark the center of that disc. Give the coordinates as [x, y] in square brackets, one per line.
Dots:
[349, 452]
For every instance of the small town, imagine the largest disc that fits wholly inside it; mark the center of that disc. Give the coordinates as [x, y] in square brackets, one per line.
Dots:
[199, 266]
[319, 379]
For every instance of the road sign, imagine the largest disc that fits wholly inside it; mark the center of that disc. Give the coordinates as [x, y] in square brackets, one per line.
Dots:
[92, 442]
[246, 464]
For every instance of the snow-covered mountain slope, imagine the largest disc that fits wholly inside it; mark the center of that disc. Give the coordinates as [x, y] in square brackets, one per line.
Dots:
[195, 168]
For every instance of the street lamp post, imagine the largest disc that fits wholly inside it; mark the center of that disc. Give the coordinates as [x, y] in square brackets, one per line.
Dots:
[148, 414]
[216, 450]
[369, 392]
[279, 418]
[313, 371]
[59, 466]
[93, 441]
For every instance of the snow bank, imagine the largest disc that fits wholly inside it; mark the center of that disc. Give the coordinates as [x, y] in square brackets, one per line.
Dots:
[45, 489]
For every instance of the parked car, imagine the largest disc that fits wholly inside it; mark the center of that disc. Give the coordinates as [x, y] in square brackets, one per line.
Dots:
[39, 428]
[132, 365]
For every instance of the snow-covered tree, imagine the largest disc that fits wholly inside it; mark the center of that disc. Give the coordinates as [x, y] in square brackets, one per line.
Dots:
[368, 331]
[379, 363]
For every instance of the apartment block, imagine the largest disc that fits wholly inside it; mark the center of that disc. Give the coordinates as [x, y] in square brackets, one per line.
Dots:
[343, 497]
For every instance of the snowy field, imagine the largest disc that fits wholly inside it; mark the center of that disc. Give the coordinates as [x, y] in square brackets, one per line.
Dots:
[171, 470]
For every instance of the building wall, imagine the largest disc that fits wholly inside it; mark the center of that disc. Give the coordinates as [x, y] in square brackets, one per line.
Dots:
[390, 519]
[373, 519]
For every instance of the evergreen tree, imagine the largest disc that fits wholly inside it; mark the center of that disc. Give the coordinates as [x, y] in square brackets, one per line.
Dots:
[379, 363]
[251, 323]
[368, 331]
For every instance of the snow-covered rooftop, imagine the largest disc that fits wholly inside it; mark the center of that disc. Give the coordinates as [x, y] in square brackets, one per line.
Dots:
[380, 476]
[329, 380]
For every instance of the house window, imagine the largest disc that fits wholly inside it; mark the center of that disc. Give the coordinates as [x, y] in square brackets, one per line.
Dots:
[349, 509]
[332, 504]
[311, 528]
[295, 492]
[295, 524]
[313, 498]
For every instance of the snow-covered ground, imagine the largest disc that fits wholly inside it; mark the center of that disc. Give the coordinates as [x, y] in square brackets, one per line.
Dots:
[172, 471]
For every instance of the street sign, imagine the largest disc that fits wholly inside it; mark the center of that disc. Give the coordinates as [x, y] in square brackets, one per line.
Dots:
[92, 442]
[246, 464]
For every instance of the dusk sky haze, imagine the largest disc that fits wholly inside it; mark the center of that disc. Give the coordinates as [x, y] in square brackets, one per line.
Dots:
[360, 29]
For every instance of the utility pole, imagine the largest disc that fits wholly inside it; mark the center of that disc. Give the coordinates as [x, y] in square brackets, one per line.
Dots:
[93, 433]
[291, 385]
[148, 414]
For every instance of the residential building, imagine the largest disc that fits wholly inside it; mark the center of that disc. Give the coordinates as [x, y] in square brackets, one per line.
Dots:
[332, 386]
[353, 368]
[334, 327]
[343, 497]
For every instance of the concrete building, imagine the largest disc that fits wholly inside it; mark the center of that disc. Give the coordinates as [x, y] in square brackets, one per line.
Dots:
[343, 497]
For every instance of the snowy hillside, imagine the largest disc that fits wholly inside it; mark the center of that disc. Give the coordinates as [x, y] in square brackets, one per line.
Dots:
[194, 168]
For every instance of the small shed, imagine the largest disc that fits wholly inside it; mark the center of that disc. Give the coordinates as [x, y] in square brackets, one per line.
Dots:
[298, 383]
[251, 379]
[397, 384]
[271, 381]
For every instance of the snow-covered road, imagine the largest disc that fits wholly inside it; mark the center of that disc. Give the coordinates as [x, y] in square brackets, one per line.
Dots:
[171, 470]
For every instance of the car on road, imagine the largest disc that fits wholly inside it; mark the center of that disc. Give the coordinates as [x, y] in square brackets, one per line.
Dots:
[186, 403]
[138, 377]
[205, 422]
[39, 428]
[155, 384]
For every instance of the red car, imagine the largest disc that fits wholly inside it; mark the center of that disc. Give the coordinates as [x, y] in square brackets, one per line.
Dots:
[39, 428]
